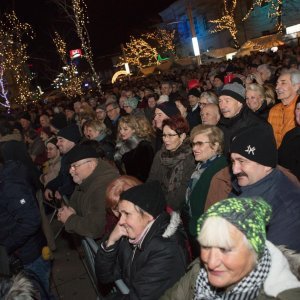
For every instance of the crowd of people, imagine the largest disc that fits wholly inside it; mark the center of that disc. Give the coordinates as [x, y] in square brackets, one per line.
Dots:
[188, 180]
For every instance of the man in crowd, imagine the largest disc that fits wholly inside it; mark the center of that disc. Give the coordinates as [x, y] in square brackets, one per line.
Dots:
[63, 184]
[193, 115]
[86, 213]
[254, 160]
[281, 116]
[210, 114]
[113, 113]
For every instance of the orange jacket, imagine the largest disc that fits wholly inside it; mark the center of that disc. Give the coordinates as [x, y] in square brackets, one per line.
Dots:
[282, 119]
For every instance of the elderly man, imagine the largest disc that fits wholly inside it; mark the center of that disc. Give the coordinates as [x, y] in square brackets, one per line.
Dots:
[281, 116]
[86, 213]
[113, 113]
[235, 113]
[254, 159]
[210, 114]
[193, 115]
[63, 185]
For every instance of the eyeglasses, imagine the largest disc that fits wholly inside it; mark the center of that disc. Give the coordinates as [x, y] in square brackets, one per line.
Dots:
[76, 166]
[110, 109]
[202, 104]
[199, 144]
[169, 135]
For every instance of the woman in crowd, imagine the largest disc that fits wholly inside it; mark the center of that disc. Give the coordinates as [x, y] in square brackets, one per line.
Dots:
[182, 104]
[130, 106]
[236, 261]
[208, 97]
[289, 150]
[146, 249]
[97, 131]
[174, 163]
[255, 99]
[210, 181]
[134, 152]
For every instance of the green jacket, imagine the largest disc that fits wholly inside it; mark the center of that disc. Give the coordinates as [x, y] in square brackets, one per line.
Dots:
[280, 284]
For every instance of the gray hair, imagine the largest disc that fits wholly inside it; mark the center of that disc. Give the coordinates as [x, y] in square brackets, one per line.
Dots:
[266, 68]
[256, 88]
[211, 97]
[294, 75]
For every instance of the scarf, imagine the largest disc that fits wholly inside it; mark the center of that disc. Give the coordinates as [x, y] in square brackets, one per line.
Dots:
[123, 147]
[247, 289]
[174, 161]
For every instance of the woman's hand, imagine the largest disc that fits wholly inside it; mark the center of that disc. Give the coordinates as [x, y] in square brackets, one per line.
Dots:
[116, 234]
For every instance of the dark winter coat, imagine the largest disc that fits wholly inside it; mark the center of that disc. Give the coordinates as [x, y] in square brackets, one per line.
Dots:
[20, 222]
[147, 269]
[284, 198]
[193, 117]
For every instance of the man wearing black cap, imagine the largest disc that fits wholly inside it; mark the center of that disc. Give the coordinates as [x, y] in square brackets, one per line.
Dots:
[193, 115]
[143, 250]
[86, 213]
[235, 113]
[254, 163]
[63, 184]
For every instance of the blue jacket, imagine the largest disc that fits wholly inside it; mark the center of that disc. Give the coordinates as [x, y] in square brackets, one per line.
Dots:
[20, 222]
[284, 197]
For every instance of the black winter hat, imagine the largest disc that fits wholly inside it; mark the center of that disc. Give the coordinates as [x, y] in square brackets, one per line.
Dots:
[148, 196]
[80, 152]
[256, 143]
[70, 133]
[234, 90]
[25, 115]
[169, 108]
[195, 92]
[59, 121]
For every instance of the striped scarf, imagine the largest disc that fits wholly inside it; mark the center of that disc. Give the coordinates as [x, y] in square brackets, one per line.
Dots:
[247, 289]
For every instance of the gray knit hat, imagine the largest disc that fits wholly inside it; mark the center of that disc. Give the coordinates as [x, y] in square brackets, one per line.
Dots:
[132, 102]
[234, 90]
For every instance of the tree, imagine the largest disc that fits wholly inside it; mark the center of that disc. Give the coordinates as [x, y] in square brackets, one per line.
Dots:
[227, 21]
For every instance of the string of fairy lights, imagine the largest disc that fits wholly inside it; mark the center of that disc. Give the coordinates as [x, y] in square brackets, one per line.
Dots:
[81, 19]
[13, 54]
[143, 51]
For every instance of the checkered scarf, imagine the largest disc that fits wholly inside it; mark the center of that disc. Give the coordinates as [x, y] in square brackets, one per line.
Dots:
[246, 289]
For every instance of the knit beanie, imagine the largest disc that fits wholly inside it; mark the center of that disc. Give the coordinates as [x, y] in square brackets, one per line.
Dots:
[193, 83]
[70, 133]
[132, 102]
[234, 90]
[52, 140]
[169, 108]
[80, 152]
[195, 92]
[256, 143]
[25, 115]
[59, 121]
[220, 76]
[249, 215]
[148, 196]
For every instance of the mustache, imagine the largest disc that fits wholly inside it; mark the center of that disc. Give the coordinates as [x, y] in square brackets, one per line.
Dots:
[241, 174]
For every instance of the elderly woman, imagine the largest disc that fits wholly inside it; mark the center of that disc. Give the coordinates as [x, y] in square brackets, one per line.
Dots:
[174, 163]
[130, 106]
[210, 181]
[236, 261]
[143, 250]
[255, 100]
[206, 98]
[134, 152]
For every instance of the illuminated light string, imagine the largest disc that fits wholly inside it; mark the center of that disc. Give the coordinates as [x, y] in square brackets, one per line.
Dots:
[227, 22]
[143, 51]
[13, 55]
[81, 19]
[4, 91]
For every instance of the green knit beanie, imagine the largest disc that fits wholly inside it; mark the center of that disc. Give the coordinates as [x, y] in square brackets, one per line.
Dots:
[249, 215]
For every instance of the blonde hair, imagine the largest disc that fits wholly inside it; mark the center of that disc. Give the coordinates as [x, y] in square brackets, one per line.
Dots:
[96, 125]
[144, 130]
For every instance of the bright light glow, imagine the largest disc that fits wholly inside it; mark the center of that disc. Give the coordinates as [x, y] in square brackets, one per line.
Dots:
[230, 55]
[127, 69]
[195, 46]
[274, 49]
[293, 29]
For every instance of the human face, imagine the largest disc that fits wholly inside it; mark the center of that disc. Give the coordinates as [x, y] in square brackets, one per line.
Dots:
[202, 148]
[92, 133]
[52, 151]
[210, 115]
[202, 102]
[132, 220]
[217, 82]
[44, 121]
[64, 145]
[166, 89]
[125, 131]
[229, 107]
[193, 100]
[181, 108]
[77, 106]
[24, 123]
[159, 116]
[128, 108]
[151, 102]
[226, 267]
[297, 113]
[112, 112]
[100, 114]
[254, 100]
[285, 90]
[247, 171]
[171, 139]
[81, 169]
[69, 113]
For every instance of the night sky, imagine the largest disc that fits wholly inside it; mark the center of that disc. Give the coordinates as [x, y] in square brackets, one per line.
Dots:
[111, 23]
